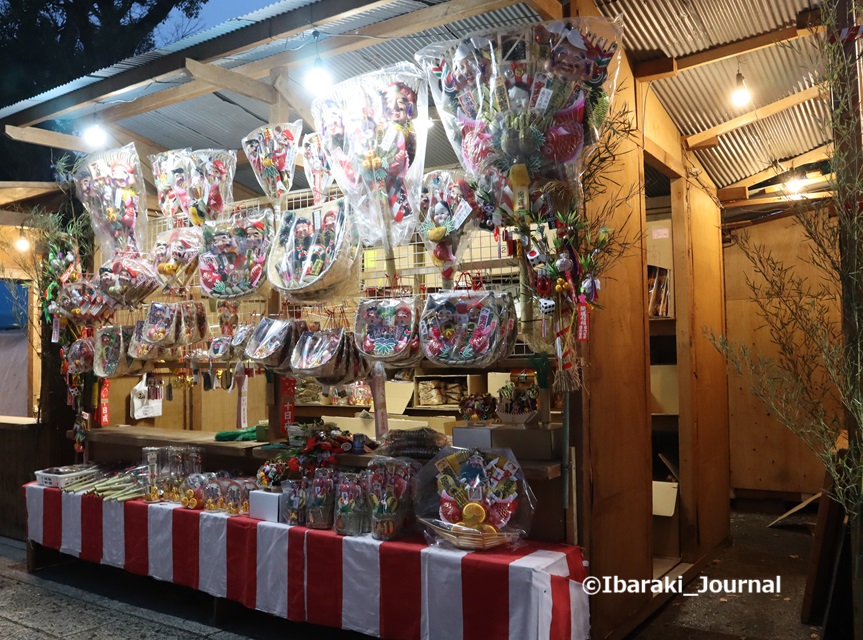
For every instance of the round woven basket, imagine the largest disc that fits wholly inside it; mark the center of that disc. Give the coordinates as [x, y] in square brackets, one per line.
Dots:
[469, 540]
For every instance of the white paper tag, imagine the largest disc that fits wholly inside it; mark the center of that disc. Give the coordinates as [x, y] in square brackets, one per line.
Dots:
[244, 403]
[462, 211]
[55, 330]
[389, 138]
[543, 99]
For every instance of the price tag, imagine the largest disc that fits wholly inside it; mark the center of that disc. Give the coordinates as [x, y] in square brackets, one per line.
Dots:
[104, 412]
[55, 330]
[462, 211]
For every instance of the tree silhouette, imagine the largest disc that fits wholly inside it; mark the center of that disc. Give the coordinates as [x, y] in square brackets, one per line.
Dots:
[46, 43]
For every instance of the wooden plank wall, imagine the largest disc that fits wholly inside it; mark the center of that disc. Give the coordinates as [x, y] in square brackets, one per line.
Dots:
[615, 471]
[765, 455]
[704, 444]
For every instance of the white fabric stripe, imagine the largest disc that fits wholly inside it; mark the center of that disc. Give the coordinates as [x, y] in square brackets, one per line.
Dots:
[579, 607]
[35, 512]
[441, 593]
[113, 534]
[70, 536]
[272, 571]
[361, 584]
[530, 593]
[212, 558]
[160, 535]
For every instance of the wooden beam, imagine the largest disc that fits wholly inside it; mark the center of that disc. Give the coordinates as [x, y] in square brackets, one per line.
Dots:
[232, 81]
[660, 68]
[243, 39]
[816, 155]
[13, 218]
[662, 161]
[46, 138]
[292, 91]
[710, 143]
[733, 193]
[547, 9]
[757, 114]
[736, 204]
[11, 192]
[430, 17]
[806, 182]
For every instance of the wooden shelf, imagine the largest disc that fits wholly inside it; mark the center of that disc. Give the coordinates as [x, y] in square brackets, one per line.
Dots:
[137, 437]
[533, 469]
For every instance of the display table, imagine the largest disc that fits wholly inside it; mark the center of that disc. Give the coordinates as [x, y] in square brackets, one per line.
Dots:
[401, 590]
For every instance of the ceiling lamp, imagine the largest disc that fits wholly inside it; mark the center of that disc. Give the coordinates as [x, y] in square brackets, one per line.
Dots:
[794, 183]
[95, 136]
[22, 244]
[741, 96]
[318, 77]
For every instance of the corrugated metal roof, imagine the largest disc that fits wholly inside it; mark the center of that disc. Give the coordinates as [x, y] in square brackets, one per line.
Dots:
[228, 26]
[698, 99]
[679, 27]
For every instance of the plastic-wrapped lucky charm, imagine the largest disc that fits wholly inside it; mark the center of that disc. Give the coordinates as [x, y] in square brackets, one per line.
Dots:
[110, 185]
[271, 150]
[234, 253]
[175, 254]
[79, 356]
[295, 501]
[314, 249]
[449, 207]
[463, 328]
[386, 330]
[525, 101]
[172, 172]
[376, 154]
[316, 167]
[210, 183]
[321, 497]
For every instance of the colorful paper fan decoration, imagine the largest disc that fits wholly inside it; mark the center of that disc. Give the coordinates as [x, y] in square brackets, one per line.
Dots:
[449, 208]
[525, 101]
[234, 253]
[271, 150]
[374, 150]
[211, 182]
[316, 167]
[110, 185]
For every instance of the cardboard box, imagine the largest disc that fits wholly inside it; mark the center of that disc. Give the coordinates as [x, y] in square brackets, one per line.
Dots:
[664, 391]
[267, 505]
[526, 444]
[474, 384]
[367, 427]
[666, 520]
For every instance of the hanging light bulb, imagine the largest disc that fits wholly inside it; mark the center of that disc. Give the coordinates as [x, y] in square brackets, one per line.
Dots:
[95, 136]
[318, 77]
[22, 244]
[795, 182]
[741, 96]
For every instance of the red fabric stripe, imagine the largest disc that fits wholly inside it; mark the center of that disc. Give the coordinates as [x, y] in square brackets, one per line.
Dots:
[401, 590]
[135, 536]
[52, 518]
[485, 592]
[574, 557]
[324, 578]
[242, 559]
[561, 619]
[91, 528]
[185, 533]
[297, 574]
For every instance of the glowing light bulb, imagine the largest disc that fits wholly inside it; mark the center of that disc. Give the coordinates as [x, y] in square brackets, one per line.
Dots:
[318, 78]
[22, 244]
[741, 96]
[95, 136]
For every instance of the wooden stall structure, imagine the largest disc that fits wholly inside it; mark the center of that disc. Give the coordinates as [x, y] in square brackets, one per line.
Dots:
[612, 420]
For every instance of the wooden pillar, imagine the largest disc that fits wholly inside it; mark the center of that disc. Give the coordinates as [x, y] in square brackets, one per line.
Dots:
[702, 379]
